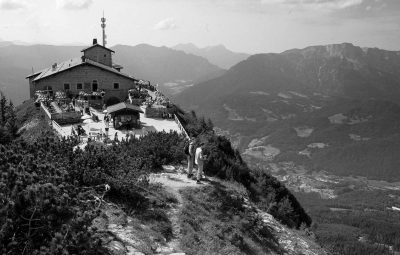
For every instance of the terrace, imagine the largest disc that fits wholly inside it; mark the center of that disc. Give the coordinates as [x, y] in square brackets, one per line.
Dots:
[94, 126]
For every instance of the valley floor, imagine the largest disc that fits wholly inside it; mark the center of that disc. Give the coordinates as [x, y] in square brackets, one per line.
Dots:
[351, 215]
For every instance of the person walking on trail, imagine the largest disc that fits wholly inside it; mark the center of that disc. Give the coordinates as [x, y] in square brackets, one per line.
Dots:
[107, 125]
[189, 151]
[199, 160]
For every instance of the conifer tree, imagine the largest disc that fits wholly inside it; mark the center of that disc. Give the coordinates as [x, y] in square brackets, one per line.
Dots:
[3, 108]
[11, 119]
[210, 124]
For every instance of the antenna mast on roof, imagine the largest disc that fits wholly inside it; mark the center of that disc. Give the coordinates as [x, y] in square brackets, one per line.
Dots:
[103, 26]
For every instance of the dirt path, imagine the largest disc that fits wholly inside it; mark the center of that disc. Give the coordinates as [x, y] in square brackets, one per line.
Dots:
[125, 235]
[173, 182]
[289, 240]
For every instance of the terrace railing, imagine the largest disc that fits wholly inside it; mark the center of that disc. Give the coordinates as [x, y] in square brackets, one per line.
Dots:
[45, 109]
[181, 126]
[60, 130]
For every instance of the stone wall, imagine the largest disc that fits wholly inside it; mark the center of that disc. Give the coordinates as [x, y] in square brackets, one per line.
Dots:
[85, 75]
[99, 54]
[151, 112]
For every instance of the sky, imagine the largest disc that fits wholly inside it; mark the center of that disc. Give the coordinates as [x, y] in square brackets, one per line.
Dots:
[251, 26]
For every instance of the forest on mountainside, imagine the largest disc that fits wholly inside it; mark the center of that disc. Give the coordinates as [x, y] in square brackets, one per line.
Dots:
[356, 222]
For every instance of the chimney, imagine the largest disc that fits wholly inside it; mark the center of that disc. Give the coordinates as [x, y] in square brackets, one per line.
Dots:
[54, 66]
[94, 41]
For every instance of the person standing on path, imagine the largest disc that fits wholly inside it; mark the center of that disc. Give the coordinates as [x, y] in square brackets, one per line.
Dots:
[199, 160]
[107, 125]
[189, 151]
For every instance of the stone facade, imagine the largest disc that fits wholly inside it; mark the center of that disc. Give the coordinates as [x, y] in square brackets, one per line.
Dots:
[99, 54]
[94, 73]
[86, 77]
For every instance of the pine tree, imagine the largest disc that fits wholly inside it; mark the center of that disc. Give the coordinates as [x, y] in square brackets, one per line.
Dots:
[202, 124]
[11, 119]
[3, 108]
[210, 124]
[194, 116]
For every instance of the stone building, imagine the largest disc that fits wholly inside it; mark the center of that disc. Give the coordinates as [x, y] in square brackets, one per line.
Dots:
[94, 71]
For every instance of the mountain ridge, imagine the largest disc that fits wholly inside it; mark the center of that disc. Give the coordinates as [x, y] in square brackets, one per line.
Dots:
[318, 94]
[217, 54]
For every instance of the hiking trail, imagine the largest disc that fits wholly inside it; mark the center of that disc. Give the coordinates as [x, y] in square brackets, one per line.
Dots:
[173, 182]
[125, 235]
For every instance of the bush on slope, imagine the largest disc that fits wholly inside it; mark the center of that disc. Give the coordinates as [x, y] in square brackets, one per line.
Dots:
[226, 163]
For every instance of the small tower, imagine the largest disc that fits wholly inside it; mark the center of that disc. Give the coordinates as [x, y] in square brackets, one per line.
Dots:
[103, 26]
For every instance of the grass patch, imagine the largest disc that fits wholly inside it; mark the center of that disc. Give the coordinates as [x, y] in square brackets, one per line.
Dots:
[214, 221]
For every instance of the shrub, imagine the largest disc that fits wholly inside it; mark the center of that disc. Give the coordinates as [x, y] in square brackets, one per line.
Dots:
[49, 191]
[226, 163]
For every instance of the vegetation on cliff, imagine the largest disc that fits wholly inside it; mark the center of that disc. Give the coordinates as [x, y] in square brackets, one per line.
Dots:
[50, 190]
[226, 163]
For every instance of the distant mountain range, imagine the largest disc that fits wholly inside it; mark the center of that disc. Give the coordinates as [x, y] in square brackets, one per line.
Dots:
[217, 55]
[173, 70]
[333, 108]
[15, 42]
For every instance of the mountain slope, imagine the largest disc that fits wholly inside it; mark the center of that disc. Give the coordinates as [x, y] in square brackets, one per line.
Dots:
[278, 107]
[157, 64]
[334, 70]
[124, 202]
[218, 55]
[172, 69]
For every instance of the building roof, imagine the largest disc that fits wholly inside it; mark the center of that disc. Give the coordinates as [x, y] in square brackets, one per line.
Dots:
[122, 106]
[72, 63]
[96, 45]
[58, 68]
[34, 74]
[108, 68]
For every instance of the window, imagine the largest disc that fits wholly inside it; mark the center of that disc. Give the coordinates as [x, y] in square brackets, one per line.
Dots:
[94, 85]
[48, 88]
[66, 86]
[105, 55]
[79, 86]
[116, 85]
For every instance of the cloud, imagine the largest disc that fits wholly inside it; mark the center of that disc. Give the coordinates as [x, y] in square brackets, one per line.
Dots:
[12, 4]
[316, 4]
[74, 4]
[166, 24]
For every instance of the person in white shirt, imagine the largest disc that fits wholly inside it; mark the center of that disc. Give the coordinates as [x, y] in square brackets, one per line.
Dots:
[190, 157]
[199, 160]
